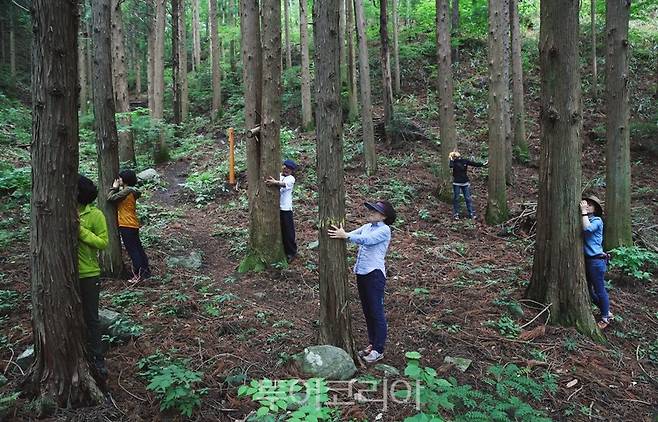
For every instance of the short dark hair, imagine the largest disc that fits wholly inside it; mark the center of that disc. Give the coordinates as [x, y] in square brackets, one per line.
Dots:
[129, 177]
[390, 212]
[87, 190]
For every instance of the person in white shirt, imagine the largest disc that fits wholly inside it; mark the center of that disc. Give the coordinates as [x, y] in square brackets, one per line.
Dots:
[286, 183]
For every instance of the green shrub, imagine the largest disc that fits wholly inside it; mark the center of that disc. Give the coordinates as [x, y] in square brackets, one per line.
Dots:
[634, 261]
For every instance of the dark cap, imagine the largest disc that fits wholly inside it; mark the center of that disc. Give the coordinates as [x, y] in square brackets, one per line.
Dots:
[384, 208]
[598, 204]
[290, 164]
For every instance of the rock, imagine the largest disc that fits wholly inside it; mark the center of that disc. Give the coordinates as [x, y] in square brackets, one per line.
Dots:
[313, 245]
[25, 358]
[148, 174]
[388, 370]
[259, 295]
[460, 363]
[193, 261]
[329, 362]
[3, 380]
[116, 325]
[107, 317]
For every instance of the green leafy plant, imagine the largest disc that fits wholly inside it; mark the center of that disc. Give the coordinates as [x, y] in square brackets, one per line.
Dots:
[8, 301]
[128, 298]
[506, 326]
[634, 261]
[570, 344]
[652, 352]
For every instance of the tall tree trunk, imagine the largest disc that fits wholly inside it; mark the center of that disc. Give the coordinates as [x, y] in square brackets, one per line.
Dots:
[196, 36]
[158, 59]
[558, 272]
[307, 111]
[82, 68]
[120, 78]
[185, 90]
[175, 61]
[396, 47]
[353, 102]
[60, 373]
[12, 45]
[209, 31]
[387, 85]
[286, 21]
[342, 24]
[149, 67]
[107, 141]
[369, 151]
[137, 63]
[231, 45]
[446, 104]
[335, 318]
[216, 56]
[595, 78]
[507, 103]
[518, 119]
[498, 92]
[263, 155]
[454, 28]
[3, 50]
[618, 161]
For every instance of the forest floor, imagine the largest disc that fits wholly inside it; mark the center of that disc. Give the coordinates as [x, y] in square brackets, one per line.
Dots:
[451, 284]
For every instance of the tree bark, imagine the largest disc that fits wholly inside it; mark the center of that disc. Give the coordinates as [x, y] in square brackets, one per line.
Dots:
[107, 142]
[214, 48]
[60, 373]
[342, 51]
[396, 47]
[175, 61]
[445, 91]
[369, 151]
[507, 101]
[263, 155]
[387, 86]
[231, 45]
[286, 21]
[498, 92]
[120, 79]
[558, 273]
[185, 91]
[307, 110]
[353, 102]
[595, 78]
[82, 69]
[196, 36]
[454, 28]
[158, 59]
[12, 45]
[618, 230]
[519, 137]
[335, 318]
[138, 75]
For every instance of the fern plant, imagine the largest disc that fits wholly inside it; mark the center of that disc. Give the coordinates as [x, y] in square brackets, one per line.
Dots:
[634, 261]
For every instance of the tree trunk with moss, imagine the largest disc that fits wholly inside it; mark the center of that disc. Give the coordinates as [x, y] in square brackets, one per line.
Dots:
[369, 151]
[335, 318]
[618, 230]
[558, 272]
[60, 375]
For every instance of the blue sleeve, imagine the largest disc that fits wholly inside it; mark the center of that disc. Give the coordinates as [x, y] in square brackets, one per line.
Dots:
[356, 232]
[374, 237]
[595, 224]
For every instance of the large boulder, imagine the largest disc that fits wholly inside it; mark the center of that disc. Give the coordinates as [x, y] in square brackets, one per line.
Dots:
[193, 261]
[116, 325]
[148, 174]
[328, 362]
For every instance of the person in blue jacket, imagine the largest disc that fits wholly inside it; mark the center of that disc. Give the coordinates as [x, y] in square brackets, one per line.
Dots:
[373, 240]
[595, 259]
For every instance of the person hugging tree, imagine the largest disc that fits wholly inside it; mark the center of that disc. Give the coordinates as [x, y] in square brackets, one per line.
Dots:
[461, 183]
[286, 183]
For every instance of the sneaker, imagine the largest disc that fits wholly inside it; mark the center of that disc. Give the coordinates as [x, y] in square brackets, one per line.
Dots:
[474, 217]
[373, 356]
[365, 352]
[455, 217]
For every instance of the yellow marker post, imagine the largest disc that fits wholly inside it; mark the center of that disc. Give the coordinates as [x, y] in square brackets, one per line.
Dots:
[231, 157]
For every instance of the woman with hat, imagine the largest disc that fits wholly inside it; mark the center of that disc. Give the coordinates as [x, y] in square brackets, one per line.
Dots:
[373, 240]
[460, 183]
[286, 183]
[595, 259]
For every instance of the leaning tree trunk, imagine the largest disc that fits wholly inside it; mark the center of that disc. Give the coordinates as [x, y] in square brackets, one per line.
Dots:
[60, 373]
[618, 230]
[120, 78]
[107, 141]
[196, 36]
[352, 100]
[518, 120]
[175, 61]
[498, 88]
[396, 47]
[335, 318]
[595, 77]
[307, 111]
[387, 85]
[215, 60]
[454, 30]
[369, 152]
[445, 90]
[263, 153]
[286, 21]
[558, 272]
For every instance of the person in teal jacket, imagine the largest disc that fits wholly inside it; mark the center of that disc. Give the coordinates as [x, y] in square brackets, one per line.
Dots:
[92, 238]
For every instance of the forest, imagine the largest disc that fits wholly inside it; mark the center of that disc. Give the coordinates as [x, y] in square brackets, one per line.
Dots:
[329, 210]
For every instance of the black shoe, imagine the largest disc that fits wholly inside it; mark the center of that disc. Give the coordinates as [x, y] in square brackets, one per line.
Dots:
[290, 258]
[101, 369]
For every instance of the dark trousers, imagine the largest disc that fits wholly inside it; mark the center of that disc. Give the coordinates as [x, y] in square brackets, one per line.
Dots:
[288, 233]
[595, 274]
[133, 245]
[90, 289]
[371, 292]
[466, 190]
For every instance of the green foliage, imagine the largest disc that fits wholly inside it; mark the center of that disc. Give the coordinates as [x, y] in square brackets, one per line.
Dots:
[128, 298]
[7, 401]
[570, 344]
[509, 384]
[397, 192]
[15, 182]
[506, 326]
[305, 402]
[634, 261]
[15, 122]
[652, 352]
[511, 305]
[205, 186]
[8, 301]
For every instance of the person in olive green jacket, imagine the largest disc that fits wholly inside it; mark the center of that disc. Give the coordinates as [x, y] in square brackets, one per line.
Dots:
[92, 238]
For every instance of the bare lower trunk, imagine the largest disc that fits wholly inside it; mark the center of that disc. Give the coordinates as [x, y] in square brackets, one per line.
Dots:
[454, 30]
[396, 48]
[618, 155]
[149, 67]
[286, 21]
[369, 152]
[595, 78]
[175, 61]
[445, 91]
[60, 373]
[138, 77]
[519, 139]
[158, 59]
[558, 273]
[214, 48]
[507, 101]
[307, 111]
[185, 91]
[107, 141]
[335, 318]
[387, 85]
[353, 102]
[196, 36]
[82, 68]
[342, 23]
[12, 45]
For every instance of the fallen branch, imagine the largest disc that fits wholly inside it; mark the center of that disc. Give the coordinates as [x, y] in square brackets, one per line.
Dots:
[537, 316]
[131, 394]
